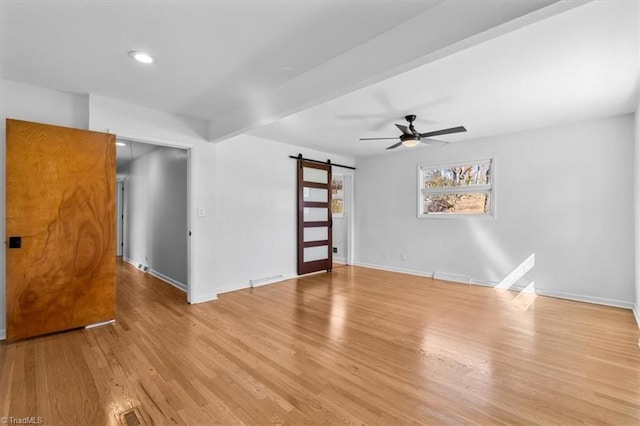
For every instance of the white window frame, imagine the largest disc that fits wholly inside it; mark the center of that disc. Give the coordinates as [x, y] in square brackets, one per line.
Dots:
[490, 188]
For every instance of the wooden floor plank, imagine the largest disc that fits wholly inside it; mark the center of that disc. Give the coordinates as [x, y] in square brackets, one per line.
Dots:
[354, 346]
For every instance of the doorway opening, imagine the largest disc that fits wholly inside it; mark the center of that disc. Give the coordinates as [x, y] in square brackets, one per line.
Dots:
[342, 209]
[152, 212]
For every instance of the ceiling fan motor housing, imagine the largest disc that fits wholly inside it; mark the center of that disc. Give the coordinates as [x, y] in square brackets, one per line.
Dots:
[416, 136]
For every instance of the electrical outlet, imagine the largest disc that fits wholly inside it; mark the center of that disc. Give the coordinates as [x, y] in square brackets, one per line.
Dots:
[335, 250]
[385, 254]
[403, 257]
[202, 212]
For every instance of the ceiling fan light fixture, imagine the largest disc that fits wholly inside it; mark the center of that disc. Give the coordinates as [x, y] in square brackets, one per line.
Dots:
[410, 142]
[142, 57]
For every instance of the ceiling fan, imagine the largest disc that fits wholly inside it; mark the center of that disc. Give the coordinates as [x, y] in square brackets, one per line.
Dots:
[411, 137]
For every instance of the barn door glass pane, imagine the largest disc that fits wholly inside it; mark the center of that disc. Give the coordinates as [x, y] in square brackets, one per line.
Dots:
[316, 253]
[315, 194]
[310, 174]
[316, 234]
[316, 214]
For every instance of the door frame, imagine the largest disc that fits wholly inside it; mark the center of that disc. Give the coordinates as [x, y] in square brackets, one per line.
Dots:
[349, 209]
[349, 181]
[172, 143]
[119, 217]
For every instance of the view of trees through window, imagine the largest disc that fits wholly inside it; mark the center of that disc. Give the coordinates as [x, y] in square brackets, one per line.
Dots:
[460, 189]
[337, 195]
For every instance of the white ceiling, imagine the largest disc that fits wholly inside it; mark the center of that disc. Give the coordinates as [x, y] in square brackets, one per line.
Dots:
[129, 152]
[574, 66]
[212, 55]
[494, 67]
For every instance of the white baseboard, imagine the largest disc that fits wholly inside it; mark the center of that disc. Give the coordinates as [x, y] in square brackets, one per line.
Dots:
[445, 276]
[587, 299]
[3, 334]
[130, 262]
[473, 281]
[168, 280]
[483, 283]
[273, 281]
[233, 287]
[340, 259]
[159, 275]
[257, 282]
[393, 269]
[204, 298]
[243, 286]
[636, 314]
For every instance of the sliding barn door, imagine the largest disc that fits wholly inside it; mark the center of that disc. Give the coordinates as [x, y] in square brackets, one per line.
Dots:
[314, 217]
[60, 228]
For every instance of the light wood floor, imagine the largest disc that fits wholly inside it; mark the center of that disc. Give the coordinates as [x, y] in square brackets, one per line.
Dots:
[354, 346]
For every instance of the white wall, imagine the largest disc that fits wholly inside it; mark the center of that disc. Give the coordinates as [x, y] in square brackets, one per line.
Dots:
[257, 208]
[636, 167]
[24, 102]
[156, 213]
[146, 125]
[563, 194]
[636, 157]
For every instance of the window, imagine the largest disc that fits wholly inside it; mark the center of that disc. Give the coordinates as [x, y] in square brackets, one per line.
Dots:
[337, 195]
[455, 190]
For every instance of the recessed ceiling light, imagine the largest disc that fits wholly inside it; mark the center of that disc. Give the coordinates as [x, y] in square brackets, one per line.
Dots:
[142, 57]
[121, 144]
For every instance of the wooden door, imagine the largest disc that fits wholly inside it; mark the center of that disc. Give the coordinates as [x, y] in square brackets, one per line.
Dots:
[314, 217]
[60, 228]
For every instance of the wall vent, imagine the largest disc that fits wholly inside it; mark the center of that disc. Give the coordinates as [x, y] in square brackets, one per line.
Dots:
[131, 418]
[266, 280]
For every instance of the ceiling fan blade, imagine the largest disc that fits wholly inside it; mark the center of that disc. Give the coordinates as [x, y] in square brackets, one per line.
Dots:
[444, 132]
[377, 139]
[404, 129]
[433, 142]
[395, 145]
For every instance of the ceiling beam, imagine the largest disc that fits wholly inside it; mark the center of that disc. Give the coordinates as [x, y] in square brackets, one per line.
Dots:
[441, 31]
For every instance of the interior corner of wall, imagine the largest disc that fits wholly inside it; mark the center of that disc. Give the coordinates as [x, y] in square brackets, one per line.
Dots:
[209, 131]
